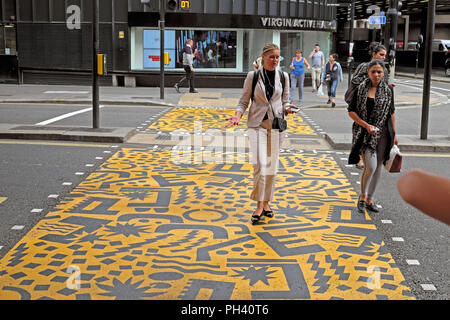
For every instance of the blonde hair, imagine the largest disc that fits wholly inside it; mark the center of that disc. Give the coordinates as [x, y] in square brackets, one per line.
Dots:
[269, 47]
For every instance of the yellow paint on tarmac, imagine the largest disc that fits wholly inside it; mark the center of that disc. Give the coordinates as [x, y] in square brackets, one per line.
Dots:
[202, 119]
[210, 99]
[144, 227]
[3, 199]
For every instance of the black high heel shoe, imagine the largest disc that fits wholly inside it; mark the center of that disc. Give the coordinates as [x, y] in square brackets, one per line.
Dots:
[256, 219]
[268, 213]
[372, 208]
[361, 205]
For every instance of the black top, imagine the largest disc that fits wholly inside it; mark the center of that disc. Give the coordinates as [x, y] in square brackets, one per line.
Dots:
[269, 83]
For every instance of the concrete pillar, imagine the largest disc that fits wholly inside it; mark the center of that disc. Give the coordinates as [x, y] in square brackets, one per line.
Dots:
[406, 33]
[130, 81]
[114, 80]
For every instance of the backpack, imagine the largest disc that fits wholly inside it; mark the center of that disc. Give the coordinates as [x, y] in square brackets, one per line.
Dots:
[348, 97]
[180, 56]
[256, 77]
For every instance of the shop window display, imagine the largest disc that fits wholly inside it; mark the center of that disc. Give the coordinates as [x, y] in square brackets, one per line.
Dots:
[212, 49]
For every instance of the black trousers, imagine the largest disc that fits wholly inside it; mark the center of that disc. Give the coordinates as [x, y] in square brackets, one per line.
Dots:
[189, 77]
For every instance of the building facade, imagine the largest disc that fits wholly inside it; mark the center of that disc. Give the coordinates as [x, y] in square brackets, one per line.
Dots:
[50, 41]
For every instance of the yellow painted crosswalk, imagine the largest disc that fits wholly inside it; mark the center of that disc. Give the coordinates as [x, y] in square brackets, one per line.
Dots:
[145, 227]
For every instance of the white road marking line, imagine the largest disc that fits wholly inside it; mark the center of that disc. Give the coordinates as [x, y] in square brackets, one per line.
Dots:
[386, 221]
[89, 165]
[79, 173]
[98, 158]
[1, 247]
[64, 92]
[106, 151]
[17, 227]
[398, 239]
[67, 183]
[354, 173]
[64, 116]
[413, 262]
[36, 210]
[428, 287]
[53, 196]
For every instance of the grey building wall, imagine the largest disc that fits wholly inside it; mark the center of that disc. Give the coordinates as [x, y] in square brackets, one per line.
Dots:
[44, 41]
[312, 9]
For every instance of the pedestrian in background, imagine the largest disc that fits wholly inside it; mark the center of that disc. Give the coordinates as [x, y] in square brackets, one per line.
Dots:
[317, 63]
[257, 64]
[373, 112]
[188, 65]
[376, 51]
[331, 75]
[298, 75]
[270, 100]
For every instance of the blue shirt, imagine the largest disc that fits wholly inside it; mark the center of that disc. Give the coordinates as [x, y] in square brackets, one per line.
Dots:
[299, 67]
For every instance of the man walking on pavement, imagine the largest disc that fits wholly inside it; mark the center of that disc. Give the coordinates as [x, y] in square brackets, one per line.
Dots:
[188, 64]
[317, 63]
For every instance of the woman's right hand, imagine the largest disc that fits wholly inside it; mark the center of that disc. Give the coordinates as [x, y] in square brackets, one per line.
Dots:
[291, 67]
[370, 129]
[233, 121]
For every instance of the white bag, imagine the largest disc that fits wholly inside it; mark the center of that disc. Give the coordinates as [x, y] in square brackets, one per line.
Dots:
[320, 90]
[394, 163]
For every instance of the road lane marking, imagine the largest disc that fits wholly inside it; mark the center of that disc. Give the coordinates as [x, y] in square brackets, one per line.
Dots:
[66, 92]
[2, 199]
[428, 287]
[59, 144]
[413, 262]
[64, 116]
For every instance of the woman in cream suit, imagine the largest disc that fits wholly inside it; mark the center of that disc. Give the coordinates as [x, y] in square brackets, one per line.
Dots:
[265, 142]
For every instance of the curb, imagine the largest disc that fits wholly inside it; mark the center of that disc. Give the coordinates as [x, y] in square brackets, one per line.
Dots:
[420, 77]
[87, 102]
[434, 144]
[79, 134]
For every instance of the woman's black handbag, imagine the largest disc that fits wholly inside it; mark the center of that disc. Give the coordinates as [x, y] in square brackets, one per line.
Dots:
[280, 124]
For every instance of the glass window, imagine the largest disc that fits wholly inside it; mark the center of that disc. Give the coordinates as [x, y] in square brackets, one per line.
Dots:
[212, 49]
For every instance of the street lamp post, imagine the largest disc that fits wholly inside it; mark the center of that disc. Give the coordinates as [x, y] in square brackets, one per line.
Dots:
[95, 49]
[162, 13]
[427, 70]
[350, 59]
